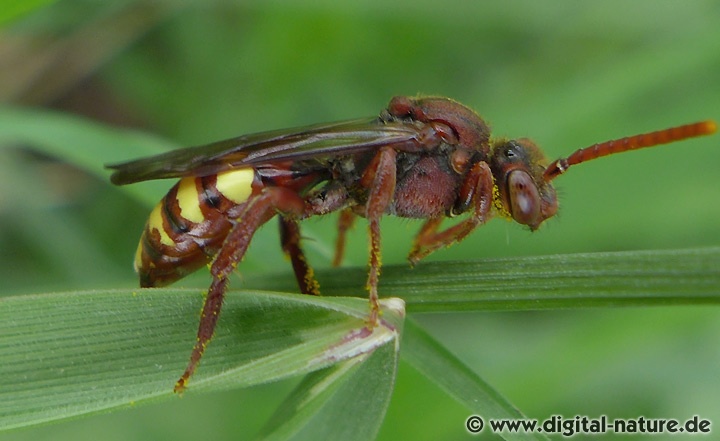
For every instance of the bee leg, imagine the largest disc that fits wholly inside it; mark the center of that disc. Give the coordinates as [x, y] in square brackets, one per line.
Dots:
[345, 222]
[380, 179]
[427, 234]
[257, 211]
[290, 240]
[476, 193]
[332, 197]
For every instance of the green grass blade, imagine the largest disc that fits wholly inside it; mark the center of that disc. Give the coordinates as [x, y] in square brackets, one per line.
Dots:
[16, 9]
[435, 362]
[81, 142]
[69, 354]
[633, 278]
[346, 401]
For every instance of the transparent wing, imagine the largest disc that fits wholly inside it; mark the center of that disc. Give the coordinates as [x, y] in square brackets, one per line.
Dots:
[318, 142]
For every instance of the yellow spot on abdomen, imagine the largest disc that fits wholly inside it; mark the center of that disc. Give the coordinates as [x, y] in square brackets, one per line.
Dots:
[138, 256]
[188, 201]
[236, 185]
[155, 222]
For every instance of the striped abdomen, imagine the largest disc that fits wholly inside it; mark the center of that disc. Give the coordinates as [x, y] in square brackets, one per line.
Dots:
[188, 226]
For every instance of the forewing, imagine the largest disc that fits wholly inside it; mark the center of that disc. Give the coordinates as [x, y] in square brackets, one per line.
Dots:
[320, 141]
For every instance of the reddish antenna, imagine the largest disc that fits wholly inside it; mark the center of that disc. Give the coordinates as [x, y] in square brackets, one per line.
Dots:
[560, 166]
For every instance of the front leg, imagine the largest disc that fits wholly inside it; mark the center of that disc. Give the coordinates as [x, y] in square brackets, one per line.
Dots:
[380, 178]
[476, 193]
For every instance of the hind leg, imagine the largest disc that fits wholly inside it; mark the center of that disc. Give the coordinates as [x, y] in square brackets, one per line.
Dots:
[259, 210]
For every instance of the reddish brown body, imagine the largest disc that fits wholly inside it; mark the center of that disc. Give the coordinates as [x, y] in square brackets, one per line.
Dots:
[425, 158]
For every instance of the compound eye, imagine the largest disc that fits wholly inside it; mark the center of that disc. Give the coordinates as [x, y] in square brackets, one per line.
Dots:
[514, 151]
[524, 199]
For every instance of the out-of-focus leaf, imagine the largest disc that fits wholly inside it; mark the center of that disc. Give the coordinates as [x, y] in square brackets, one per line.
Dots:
[440, 366]
[14, 9]
[81, 142]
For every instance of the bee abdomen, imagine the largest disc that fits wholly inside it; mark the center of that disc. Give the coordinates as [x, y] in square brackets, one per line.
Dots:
[188, 226]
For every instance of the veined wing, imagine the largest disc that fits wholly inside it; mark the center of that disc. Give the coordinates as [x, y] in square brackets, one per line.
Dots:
[318, 141]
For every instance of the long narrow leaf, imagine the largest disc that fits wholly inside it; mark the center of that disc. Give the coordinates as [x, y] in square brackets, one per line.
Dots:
[346, 401]
[69, 354]
[648, 278]
[15, 9]
[439, 365]
[81, 142]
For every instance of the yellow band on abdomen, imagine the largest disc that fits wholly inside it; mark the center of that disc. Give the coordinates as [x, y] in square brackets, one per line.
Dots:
[155, 222]
[188, 201]
[236, 185]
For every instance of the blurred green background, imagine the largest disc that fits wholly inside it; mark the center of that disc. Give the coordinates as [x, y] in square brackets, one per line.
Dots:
[566, 74]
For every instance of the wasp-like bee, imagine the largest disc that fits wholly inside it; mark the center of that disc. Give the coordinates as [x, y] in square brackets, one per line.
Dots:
[424, 158]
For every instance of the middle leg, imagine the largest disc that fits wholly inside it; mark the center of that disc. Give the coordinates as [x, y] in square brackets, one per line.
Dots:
[290, 240]
[380, 178]
[345, 222]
